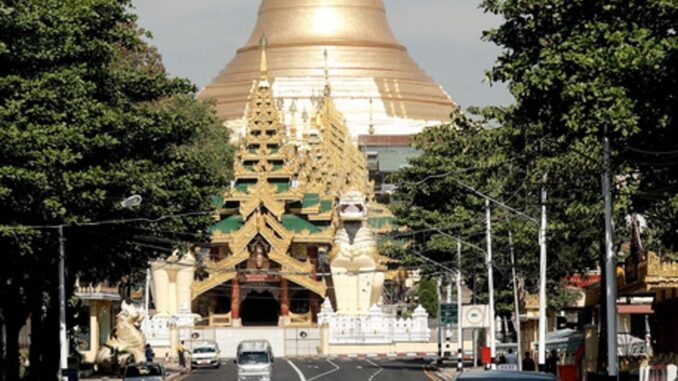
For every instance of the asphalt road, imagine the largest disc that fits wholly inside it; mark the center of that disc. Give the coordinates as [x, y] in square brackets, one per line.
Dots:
[329, 370]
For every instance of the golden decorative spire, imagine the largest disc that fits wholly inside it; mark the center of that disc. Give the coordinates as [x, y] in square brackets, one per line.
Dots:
[328, 88]
[263, 64]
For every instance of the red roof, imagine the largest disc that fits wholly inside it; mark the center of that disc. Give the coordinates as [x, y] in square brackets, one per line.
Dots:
[583, 281]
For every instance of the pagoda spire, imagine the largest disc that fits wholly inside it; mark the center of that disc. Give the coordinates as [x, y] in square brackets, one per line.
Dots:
[263, 64]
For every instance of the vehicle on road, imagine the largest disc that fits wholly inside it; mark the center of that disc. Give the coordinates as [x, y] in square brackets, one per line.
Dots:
[144, 371]
[502, 375]
[205, 355]
[254, 360]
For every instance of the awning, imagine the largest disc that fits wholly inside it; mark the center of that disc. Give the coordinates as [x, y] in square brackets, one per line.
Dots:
[631, 309]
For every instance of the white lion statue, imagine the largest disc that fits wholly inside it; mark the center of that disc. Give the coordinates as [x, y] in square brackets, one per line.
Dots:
[126, 343]
[355, 259]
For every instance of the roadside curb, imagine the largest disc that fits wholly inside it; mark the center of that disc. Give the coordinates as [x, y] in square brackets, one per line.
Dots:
[392, 355]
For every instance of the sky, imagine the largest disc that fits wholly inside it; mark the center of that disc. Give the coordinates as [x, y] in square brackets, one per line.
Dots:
[197, 38]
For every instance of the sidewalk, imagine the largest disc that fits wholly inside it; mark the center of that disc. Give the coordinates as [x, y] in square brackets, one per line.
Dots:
[448, 370]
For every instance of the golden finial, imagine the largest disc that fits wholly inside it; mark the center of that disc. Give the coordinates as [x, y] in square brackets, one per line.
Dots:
[328, 89]
[263, 44]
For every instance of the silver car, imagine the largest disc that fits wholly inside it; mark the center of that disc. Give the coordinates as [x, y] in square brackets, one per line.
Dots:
[255, 361]
[145, 371]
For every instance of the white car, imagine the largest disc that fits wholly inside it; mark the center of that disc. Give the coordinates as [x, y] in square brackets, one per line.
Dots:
[205, 355]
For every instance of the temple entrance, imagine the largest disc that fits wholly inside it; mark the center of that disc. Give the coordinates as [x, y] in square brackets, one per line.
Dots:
[260, 309]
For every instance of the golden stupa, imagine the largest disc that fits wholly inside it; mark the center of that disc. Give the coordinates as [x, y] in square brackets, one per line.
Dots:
[348, 43]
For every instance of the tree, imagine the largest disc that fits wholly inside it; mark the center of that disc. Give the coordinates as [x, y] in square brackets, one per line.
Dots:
[90, 117]
[439, 199]
[428, 296]
[580, 70]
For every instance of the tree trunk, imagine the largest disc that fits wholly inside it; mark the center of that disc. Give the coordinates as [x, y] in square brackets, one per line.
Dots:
[11, 365]
[49, 346]
[37, 337]
[2, 346]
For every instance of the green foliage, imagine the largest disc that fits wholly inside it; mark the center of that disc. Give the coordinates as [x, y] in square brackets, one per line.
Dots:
[428, 296]
[581, 69]
[89, 117]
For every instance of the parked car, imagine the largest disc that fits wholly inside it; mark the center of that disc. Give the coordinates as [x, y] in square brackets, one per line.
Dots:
[501, 375]
[255, 361]
[145, 371]
[205, 355]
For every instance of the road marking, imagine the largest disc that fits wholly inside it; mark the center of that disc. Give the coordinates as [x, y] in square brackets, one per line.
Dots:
[429, 375]
[299, 373]
[336, 368]
[375, 373]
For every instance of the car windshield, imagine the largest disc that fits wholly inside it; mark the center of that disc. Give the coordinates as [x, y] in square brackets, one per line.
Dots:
[204, 350]
[253, 358]
[143, 370]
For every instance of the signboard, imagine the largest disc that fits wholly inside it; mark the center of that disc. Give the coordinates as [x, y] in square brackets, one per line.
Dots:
[475, 316]
[448, 314]
[507, 367]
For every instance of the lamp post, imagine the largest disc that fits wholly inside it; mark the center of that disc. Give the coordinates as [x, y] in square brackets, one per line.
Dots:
[127, 203]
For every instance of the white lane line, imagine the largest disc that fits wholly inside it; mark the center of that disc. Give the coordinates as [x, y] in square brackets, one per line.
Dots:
[375, 373]
[299, 373]
[336, 368]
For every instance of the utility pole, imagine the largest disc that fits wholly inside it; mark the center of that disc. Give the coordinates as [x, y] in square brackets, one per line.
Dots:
[610, 265]
[448, 329]
[147, 293]
[490, 283]
[516, 303]
[440, 325]
[460, 329]
[542, 279]
[63, 341]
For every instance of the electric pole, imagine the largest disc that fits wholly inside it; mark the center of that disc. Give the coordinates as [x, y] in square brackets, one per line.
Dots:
[542, 279]
[460, 329]
[516, 303]
[63, 341]
[610, 265]
[490, 283]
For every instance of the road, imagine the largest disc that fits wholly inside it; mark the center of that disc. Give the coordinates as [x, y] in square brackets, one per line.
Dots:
[330, 370]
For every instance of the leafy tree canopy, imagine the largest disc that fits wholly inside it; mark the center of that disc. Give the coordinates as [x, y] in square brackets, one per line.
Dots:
[88, 117]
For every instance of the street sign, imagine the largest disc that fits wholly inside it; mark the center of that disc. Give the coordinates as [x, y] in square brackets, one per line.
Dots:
[448, 314]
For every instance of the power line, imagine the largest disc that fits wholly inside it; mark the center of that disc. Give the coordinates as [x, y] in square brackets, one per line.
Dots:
[107, 222]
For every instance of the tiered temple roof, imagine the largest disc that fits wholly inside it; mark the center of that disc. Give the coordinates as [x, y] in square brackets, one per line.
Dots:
[284, 191]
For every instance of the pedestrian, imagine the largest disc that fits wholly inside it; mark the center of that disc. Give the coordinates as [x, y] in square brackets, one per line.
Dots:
[511, 358]
[502, 358]
[528, 363]
[552, 363]
[181, 350]
[150, 355]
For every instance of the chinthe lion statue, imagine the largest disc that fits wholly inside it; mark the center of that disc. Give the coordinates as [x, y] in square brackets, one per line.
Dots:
[355, 259]
[126, 344]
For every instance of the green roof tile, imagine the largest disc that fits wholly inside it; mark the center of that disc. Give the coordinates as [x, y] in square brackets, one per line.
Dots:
[310, 199]
[228, 225]
[325, 206]
[380, 222]
[217, 201]
[297, 224]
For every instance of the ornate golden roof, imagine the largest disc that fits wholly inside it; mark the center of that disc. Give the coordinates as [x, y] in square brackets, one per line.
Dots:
[360, 44]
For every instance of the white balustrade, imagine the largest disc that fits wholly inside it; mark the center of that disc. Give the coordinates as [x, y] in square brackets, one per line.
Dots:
[375, 327]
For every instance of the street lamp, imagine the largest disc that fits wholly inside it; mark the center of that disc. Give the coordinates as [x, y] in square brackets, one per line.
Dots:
[127, 203]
